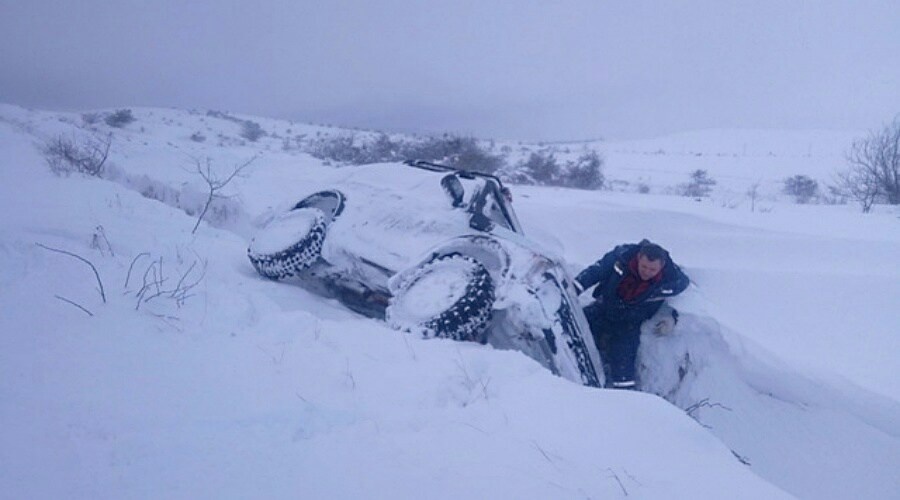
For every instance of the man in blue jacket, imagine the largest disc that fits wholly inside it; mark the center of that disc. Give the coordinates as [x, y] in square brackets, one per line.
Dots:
[632, 283]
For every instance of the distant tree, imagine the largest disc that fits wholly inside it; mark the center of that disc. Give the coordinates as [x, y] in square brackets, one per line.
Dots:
[836, 195]
[339, 148]
[90, 118]
[456, 151]
[453, 150]
[251, 131]
[119, 118]
[381, 149]
[699, 186]
[858, 185]
[476, 158]
[585, 172]
[753, 193]
[541, 167]
[801, 187]
[468, 154]
[874, 172]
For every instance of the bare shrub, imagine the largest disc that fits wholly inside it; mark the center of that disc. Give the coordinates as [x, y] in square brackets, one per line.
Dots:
[156, 284]
[119, 118]
[462, 152]
[251, 131]
[874, 172]
[835, 195]
[541, 167]
[802, 188]
[382, 149]
[90, 118]
[455, 151]
[339, 148]
[466, 153]
[586, 172]
[100, 288]
[65, 155]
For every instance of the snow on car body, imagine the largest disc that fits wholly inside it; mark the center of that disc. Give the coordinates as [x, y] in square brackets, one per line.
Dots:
[436, 251]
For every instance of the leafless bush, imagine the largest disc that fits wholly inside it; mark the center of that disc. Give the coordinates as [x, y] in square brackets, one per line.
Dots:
[859, 186]
[251, 131]
[586, 172]
[835, 195]
[90, 118]
[466, 153]
[341, 149]
[802, 188]
[158, 282]
[100, 242]
[100, 288]
[542, 167]
[214, 183]
[65, 155]
[874, 172]
[155, 281]
[455, 151]
[119, 118]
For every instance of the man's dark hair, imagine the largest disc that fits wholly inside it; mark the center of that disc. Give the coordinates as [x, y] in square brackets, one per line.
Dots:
[653, 251]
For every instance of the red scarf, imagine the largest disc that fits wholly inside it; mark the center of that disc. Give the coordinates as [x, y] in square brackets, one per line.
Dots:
[632, 286]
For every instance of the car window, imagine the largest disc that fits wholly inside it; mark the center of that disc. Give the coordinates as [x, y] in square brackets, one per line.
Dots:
[494, 211]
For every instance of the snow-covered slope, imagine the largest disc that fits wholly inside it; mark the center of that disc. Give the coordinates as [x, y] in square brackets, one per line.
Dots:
[233, 386]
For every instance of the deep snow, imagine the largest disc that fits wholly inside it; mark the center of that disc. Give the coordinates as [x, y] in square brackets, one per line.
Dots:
[248, 387]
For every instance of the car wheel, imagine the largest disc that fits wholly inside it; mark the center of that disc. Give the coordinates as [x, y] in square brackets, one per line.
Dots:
[289, 243]
[451, 296]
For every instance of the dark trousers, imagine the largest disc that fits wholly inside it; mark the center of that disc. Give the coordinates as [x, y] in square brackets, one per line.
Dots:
[617, 342]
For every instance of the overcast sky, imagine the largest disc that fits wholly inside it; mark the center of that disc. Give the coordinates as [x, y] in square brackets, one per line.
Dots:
[560, 70]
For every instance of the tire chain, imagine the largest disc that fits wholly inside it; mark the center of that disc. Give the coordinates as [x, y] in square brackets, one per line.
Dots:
[469, 317]
[291, 261]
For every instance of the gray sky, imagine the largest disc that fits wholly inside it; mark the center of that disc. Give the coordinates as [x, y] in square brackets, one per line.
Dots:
[527, 69]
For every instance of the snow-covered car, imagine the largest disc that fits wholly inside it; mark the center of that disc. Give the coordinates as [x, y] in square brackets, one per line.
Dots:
[432, 250]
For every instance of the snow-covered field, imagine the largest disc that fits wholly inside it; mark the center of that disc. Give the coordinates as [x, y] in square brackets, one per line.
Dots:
[241, 387]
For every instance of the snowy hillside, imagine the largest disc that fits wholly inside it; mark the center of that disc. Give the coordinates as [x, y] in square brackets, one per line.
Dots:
[191, 377]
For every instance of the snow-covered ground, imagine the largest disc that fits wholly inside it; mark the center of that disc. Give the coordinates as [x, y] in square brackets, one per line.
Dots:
[241, 387]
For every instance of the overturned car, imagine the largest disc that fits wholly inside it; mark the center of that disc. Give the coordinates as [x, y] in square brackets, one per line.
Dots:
[436, 251]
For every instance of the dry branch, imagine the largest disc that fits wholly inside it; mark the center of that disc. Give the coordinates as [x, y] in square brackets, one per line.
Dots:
[74, 304]
[96, 274]
[215, 184]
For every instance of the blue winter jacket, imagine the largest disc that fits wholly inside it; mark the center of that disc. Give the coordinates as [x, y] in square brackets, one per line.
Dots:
[608, 272]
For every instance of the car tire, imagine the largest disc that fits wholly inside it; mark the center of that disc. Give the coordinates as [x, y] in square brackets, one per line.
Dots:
[289, 243]
[451, 296]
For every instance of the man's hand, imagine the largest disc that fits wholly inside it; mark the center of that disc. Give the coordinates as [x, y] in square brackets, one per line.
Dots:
[661, 323]
[664, 326]
[664, 323]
